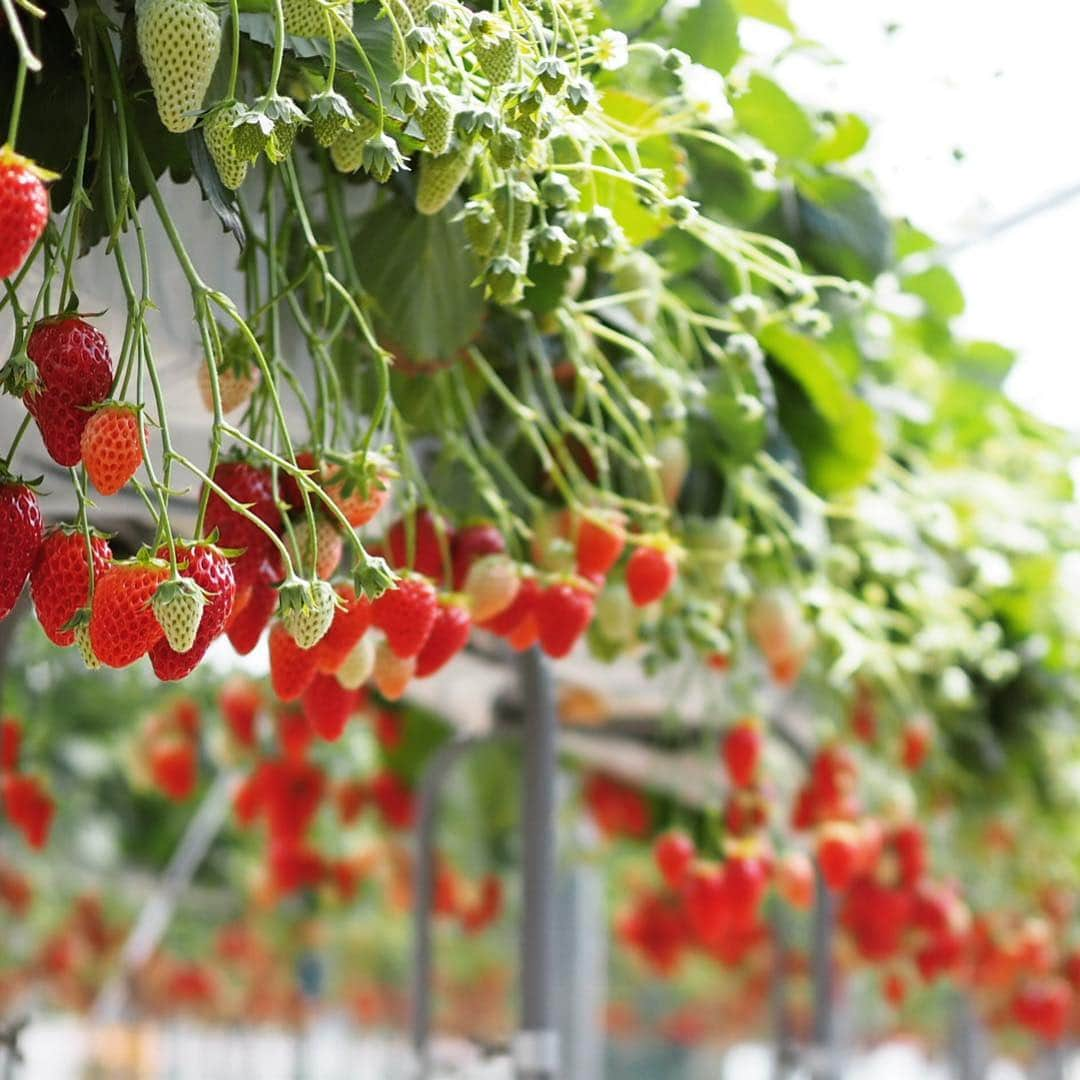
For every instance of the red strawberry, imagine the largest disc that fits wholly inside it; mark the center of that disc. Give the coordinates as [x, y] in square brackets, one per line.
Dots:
[291, 668]
[523, 605]
[29, 806]
[406, 614]
[60, 581]
[294, 734]
[250, 485]
[327, 706]
[601, 537]
[449, 635]
[294, 790]
[247, 626]
[211, 571]
[240, 701]
[394, 800]
[122, 622]
[470, 544]
[10, 743]
[360, 491]
[839, 853]
[24, 210]
[389, 729]
[174, 768]
[351, 622]
[917, 737]
[427, 555]
[649, 574]
[74, 371]
[111, 448]
[351, 798]
[526, 634]
[20, 539]
[741, 750]
[563, 614]
[674, 853]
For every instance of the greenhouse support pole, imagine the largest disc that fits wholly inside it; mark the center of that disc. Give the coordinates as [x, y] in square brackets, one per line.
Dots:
[430, 788]
[785, 1060]
[968, 1052]
[536, 1045]
[823, 1064]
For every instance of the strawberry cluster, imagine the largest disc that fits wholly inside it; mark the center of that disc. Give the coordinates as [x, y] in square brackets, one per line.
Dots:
[26, 800]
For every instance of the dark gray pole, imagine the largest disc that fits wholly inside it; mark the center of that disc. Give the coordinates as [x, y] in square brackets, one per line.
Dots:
[536, 1046]
[823, 1064]
[785, 1059]
[430, 788]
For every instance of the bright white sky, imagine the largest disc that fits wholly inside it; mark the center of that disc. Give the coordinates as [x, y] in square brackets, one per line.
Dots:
[999, 83]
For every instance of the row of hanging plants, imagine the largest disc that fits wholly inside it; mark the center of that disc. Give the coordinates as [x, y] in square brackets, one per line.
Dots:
[561, 323]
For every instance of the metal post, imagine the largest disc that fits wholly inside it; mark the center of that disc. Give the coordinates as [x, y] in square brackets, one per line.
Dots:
[536, 1045]
[786, 1057]
[156, 913]
[430, 788]
[968, 1051]
[823, 1065]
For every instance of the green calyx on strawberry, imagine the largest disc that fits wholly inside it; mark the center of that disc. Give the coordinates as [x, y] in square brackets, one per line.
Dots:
[407, 94]
[178, 607]
[372, 576]
[306, 609]
[381, 157]
[218, 129]
[330, 114]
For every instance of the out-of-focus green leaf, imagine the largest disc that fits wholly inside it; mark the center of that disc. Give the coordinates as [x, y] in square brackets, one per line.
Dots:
[768, 113]
[631, 15]
[909, 240]
[938, 289]
[848, 135]
[843, 227]
[768, 11]
[419, 271]
[709, 32]
[984, 362]
[812, 366]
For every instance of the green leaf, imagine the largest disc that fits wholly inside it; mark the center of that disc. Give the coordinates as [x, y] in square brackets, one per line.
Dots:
[766, 111]
[837, 456]
[709, 32]
[909, 240]
[844, 230]
[419, 271]
[983, 362]
[640, 223]
[938, 289]
[631, 15]
[848, 135]
[812, 366]
[774, 12]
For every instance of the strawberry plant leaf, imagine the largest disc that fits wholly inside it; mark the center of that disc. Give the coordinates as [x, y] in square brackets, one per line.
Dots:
[420, 279]
[709, 33]
[766, 111]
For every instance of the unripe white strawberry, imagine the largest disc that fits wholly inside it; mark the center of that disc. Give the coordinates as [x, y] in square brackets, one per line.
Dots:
[436, 120]
[235, 387]
[356, 668]
[179, 41]
[328, 546]
[491, 585]
[308, 18]
[178, 607]
[440, 178]
[86, 650]
[218, 134]
[306, 609]
[391, 673]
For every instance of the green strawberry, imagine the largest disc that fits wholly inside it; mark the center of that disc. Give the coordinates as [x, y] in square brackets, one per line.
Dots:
[440, 177]
[330, 114]
[86, 650]
[495, 47]
[179, 41]
[306, 609]
[218, 130]
[436, 120]
[482, 227]
[308, 18]
[347, 150]
[250, 134]
[178, 607]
